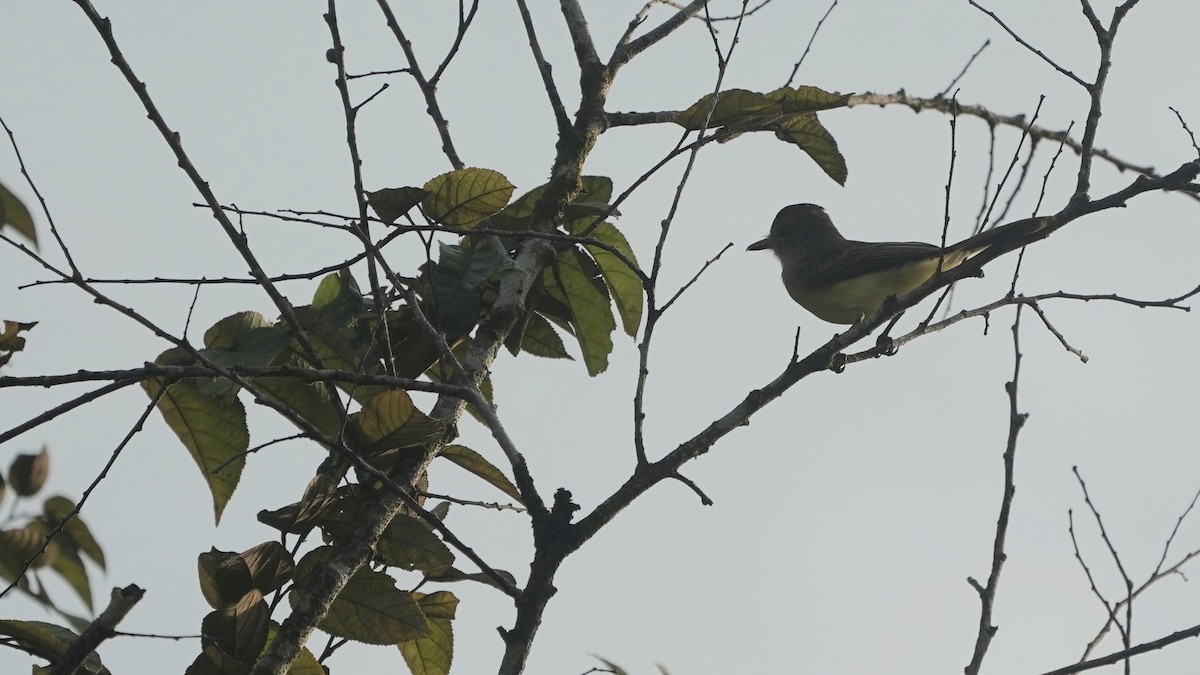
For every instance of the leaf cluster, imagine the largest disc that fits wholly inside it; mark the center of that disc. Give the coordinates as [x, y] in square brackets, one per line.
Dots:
[27, 543]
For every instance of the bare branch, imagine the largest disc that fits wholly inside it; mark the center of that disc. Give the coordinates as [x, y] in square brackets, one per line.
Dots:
[428, 89]
[581, 36]
[556, 104]
[464, 24]
[1030, 47]
[964, 69]
[104, 28]
[121, 602]
[987, 593]
[62, 246]
[87, 493]
[808, 47]
[362, 228]
[653, 312]
[1125, 654]
[626, 50]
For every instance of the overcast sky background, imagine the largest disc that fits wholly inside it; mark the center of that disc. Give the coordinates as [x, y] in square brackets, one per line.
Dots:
[848, 514]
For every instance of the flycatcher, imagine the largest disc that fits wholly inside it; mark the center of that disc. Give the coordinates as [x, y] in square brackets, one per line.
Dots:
[841, 280]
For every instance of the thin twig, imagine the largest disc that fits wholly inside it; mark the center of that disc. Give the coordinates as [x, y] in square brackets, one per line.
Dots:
[811, 38]
[1030, 47]
[561, 119]
[427, 90]
[965, 68]
[987, 594]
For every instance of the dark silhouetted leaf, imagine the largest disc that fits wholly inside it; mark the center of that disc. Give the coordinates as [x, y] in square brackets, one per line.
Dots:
[409, 543]
[270, 566]
[240, 629]
[11, 339]
[55, 510]
[27, 473]
[224, 577]
[475, 463]
[540, 339]
[225, 333]
[458, 281]
[391, 203]
[453, 574]
[14, 214]
[593, 200]
[69, 566]
[48, 641]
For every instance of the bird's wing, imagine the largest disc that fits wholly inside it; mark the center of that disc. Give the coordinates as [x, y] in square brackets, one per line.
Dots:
[859, 258]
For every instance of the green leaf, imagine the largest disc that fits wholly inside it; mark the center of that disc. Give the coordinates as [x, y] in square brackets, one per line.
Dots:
[453, 574]
[339, 298]
[588, 302]
[48, 641]
[610, 666]
[540, 339]
[369, 608]
[69, 566]
[390, 420]
[807, 98]
[790, 113]
[391, 203]
[212, 428]
[433, 655]
[305, 663]
[439, 605]
[807, 132]
[255, 349]
[623, 284]
[443, 372]
[13, 213]
[331, 345]
[409, 543]
[225, 333]
[310, 401]
[21, 543]
[475, 463]
[733, 104]
[55, 510]
[463, 197]
[11, 340]
[593, 200]
[458, 281]
[213, 661]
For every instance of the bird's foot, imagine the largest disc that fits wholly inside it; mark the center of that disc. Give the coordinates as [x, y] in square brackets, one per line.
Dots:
[885, 345]
[838, 363]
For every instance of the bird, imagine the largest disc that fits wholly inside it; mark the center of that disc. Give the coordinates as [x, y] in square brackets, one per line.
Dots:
[842, 281]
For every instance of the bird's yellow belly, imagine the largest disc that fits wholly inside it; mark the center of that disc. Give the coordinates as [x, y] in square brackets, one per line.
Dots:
[850, 300]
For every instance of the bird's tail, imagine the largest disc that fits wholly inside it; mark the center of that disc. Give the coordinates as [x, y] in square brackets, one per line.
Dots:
[998, 235]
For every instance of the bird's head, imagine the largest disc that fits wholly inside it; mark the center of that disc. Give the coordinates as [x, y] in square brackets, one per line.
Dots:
[798, 227]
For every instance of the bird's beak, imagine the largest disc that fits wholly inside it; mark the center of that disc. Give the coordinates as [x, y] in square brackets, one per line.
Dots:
[761, 245]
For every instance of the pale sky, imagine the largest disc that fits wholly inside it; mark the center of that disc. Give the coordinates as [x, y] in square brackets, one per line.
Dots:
[849, 513]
